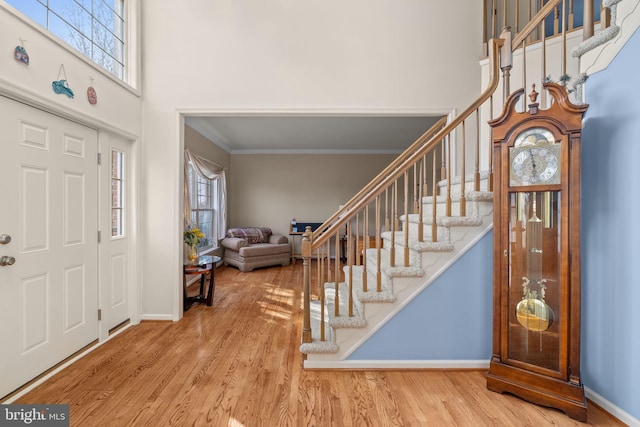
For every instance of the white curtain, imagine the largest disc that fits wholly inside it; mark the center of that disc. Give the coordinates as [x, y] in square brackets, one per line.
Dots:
[209, 170]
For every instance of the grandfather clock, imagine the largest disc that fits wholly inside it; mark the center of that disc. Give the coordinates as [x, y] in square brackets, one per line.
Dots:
[536, 314]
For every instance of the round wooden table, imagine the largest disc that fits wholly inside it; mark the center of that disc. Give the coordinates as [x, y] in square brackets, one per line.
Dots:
[205, 267]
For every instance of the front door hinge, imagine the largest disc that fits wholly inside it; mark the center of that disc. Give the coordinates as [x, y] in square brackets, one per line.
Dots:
[99, 236]
[99, 158]
[99, 314]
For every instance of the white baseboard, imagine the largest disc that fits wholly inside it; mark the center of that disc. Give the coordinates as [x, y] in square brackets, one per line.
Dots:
[157, 317]
[396, 364]
[611, 408]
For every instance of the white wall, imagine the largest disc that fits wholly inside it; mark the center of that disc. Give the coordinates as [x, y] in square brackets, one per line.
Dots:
[270, 190]
[118, 108]
[117, 114]
[252, 55]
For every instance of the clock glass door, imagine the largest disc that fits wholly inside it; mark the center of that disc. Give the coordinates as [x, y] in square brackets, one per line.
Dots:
[534, 279]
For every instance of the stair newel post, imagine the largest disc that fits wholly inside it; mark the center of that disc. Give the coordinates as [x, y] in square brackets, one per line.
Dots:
[406, 218]
[378, 247]
[306, 279]
[434, 203]
[587, 20]
[463, 198]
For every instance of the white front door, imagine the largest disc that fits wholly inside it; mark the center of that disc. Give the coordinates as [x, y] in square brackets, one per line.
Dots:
[48, 199]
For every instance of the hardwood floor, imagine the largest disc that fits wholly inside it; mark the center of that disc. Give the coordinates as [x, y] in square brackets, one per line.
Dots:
[237, 364]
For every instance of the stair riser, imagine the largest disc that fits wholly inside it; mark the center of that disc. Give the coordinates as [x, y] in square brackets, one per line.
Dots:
[441, 208]
[442, 232]
[456, 187]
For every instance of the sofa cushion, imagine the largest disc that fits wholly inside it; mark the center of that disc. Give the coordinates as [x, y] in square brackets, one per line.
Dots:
[251, 234]
[234, 243]
[263, 249]
[278, 238]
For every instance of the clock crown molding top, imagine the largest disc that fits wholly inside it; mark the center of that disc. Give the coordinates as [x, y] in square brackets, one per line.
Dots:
[562, 112]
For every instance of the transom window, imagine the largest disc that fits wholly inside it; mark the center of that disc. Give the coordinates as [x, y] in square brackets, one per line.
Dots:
[93, 27]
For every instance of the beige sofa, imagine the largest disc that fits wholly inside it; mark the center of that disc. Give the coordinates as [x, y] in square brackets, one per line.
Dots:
[252, 247]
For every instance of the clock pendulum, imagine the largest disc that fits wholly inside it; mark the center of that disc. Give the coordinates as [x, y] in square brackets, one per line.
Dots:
[532, 312]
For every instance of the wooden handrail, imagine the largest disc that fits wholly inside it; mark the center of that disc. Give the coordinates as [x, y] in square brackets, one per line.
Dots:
[397, 168]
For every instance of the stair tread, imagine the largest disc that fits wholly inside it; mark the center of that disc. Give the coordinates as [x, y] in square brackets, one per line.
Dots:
[343, 320]
[317, 346]
[386, 293]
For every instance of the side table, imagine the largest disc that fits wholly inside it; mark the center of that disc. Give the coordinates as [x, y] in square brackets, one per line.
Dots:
[205, 267]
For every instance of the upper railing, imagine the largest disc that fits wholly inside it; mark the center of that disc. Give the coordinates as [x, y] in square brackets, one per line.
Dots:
[518, 14]
[424, 187]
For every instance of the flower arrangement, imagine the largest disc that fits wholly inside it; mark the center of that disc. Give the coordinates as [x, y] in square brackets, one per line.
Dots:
[193, 236]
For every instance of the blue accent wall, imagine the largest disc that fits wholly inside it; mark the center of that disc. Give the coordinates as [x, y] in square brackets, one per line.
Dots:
[456, 310]
[450, 320]
[611, 232]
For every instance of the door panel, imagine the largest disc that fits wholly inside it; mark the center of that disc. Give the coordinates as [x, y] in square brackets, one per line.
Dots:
[49, 296]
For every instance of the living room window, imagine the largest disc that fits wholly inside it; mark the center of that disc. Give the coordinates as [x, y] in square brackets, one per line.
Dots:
[205, 199]
[95, 28]
[203, 194]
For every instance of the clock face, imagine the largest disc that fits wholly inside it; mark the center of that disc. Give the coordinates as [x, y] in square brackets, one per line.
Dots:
[534, 159]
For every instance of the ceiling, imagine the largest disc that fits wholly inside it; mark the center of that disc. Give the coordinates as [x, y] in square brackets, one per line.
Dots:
[312, 134]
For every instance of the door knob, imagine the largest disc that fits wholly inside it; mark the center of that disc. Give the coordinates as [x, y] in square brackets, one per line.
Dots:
[7, 260]
[4, 239]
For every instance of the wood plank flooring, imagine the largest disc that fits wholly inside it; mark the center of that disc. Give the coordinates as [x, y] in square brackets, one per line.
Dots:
[237, 364]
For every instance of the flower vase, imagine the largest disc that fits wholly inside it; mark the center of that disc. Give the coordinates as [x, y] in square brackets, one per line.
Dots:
[193, 255]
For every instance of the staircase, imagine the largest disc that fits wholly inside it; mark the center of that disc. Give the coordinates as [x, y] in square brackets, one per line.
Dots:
[399, 283]
[418, 235]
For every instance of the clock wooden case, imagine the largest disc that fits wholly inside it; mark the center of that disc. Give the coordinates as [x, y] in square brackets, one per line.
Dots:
[536, 320]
